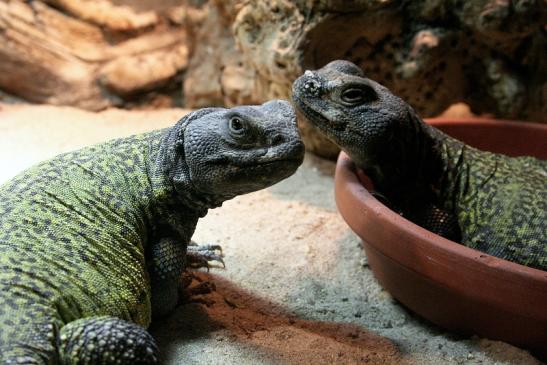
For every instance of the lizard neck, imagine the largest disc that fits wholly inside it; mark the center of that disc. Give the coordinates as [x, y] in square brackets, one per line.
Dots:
[408, 162]
[171, 180]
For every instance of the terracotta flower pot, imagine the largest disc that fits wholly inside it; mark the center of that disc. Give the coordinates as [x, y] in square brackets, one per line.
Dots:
[456, 287]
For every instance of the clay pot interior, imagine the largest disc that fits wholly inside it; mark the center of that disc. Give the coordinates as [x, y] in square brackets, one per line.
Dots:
[453, 286]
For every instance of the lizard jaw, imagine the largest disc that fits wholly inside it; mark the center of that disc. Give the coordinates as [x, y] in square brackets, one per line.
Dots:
[231, 160]
[317, 118]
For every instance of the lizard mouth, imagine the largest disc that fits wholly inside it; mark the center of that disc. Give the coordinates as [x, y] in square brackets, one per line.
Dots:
[270, 170]
[316, 118]
[289, 161]
[231, 161]
[276, 164]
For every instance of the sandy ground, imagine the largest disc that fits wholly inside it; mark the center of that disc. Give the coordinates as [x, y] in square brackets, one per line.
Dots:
[296, 289]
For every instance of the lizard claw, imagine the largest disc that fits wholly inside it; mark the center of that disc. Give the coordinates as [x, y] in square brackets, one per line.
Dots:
[200, 256]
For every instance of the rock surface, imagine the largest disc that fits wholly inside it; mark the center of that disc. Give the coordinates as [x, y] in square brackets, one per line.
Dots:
[489, 54]
[297, 288]
[216, 75]
[90, 54]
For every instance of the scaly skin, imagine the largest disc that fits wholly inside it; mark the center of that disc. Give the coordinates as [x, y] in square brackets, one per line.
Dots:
[490, 202]
[93, 242]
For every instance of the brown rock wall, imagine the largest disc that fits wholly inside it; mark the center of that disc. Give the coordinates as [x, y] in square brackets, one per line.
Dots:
[87, 54]
[489, 54]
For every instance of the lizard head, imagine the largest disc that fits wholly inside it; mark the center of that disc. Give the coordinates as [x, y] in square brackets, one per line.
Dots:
[227, 152]
[354, 112]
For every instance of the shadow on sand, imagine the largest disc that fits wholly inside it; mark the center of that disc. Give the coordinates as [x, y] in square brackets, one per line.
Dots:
[234, 315]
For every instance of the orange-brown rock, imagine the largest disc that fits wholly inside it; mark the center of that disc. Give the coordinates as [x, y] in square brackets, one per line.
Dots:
[87, 54]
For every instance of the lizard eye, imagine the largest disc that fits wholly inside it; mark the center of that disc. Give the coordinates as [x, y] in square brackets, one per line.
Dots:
[357, 95]
[237, 126]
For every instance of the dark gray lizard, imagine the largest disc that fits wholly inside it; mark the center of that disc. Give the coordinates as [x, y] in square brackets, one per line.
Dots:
[490, 202]
[93, 242]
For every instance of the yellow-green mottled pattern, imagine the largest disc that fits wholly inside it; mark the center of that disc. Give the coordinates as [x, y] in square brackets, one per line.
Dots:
[500, 202]
[72, 231]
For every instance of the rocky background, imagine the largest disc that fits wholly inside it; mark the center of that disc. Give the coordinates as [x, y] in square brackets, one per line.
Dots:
[490, 54]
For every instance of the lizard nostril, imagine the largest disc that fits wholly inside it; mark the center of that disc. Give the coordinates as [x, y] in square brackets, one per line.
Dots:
[312, 87]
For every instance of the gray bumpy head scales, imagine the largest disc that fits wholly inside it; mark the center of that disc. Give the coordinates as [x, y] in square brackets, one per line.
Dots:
[361, 116]
[220, 153]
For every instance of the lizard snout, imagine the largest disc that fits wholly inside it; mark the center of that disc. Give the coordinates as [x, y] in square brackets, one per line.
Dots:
[309, 84]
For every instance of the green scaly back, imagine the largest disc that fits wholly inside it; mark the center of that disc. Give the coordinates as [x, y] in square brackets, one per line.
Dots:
[100, 196]
[500, 202]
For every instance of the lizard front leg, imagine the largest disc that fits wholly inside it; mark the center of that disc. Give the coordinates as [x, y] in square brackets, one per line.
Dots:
[170, 259]
[168, 262]
[102, 340]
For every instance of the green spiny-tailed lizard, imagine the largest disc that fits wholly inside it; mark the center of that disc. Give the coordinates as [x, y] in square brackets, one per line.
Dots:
[490, 202]
[93, 242]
